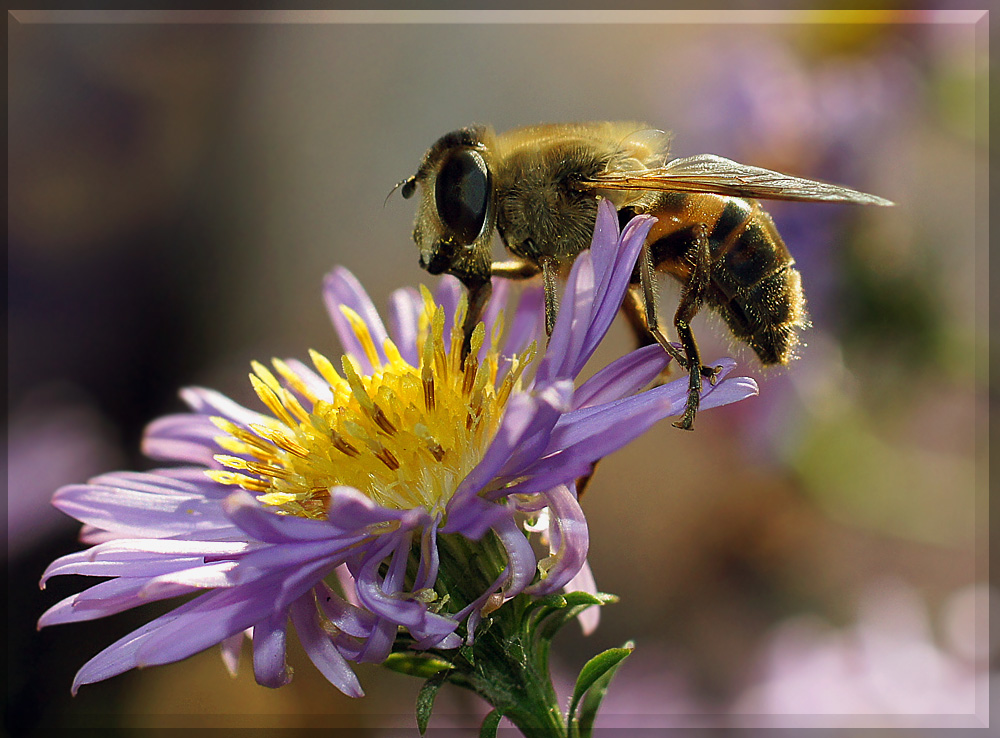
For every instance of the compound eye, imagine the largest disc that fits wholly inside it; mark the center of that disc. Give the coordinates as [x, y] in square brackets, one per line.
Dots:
[462, 192]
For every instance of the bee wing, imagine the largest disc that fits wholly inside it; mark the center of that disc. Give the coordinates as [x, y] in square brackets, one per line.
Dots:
[721, 176]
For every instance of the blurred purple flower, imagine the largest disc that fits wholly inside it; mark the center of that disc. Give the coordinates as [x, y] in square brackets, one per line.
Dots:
[396, 461]
[887, 666]
[54, 437]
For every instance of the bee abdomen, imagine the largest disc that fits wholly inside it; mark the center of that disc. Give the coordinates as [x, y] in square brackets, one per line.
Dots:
[758, 290]
[768, 315]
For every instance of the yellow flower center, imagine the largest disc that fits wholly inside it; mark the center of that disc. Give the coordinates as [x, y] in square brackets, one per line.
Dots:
[405, 435]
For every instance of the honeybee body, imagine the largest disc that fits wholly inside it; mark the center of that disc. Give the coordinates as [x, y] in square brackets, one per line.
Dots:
[538, 187]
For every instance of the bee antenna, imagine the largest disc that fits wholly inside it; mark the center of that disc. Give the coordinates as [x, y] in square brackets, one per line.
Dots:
[408, 185]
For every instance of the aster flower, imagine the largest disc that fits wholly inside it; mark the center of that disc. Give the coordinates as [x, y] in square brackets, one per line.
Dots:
[379, 504]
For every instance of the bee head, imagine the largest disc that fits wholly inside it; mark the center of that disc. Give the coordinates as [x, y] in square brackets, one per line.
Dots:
[456, 213]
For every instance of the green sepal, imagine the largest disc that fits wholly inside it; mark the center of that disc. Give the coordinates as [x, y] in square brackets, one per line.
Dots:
[425, 699]
[591, 686]
[423, 665]
[490, 724]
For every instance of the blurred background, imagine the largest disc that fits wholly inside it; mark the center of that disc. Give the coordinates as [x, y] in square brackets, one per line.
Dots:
[176, 192]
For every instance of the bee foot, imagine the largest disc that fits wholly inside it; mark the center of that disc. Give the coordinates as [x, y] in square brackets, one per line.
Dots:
[711, 373]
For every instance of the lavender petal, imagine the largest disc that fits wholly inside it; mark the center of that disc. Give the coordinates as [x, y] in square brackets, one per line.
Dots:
[623, 377]
[187, 438]
[270, 636]
[321, 651]
[404, 322]
[141, 509]
[572, 541]
[231, 648]
[103, 599]
[210, 402]
[342, 288]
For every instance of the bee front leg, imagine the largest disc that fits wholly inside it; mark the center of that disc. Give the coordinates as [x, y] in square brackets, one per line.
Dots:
[480, 289]
[478, 295]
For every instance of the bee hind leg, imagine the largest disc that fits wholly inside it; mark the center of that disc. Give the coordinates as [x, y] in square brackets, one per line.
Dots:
[689, 357]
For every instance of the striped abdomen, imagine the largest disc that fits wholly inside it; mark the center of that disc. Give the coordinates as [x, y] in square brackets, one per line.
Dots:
[754, 285]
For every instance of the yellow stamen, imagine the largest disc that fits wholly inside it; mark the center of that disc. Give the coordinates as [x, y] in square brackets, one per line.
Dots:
[403, 435]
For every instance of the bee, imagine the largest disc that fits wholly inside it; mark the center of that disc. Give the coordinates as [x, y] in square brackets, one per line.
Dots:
[538, 187]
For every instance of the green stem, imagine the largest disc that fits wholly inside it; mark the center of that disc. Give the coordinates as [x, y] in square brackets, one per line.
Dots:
[507, 664]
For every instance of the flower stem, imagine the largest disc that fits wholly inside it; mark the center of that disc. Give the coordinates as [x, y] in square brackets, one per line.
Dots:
[507, 663]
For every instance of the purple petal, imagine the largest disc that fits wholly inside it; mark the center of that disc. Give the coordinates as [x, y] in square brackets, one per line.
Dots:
[521, 562]
[210, 402]
[266, 525]
[202, 576]
[344, 616]
[378, 646]
[569, 537]
[591, 433]
[141, 557]
[614, 267]
[548, 473]
[405, 307]
[219, 614]
[728, 392]
[103, 599]
[379, 596]
[181, 475]
[428, 569]
[527, 324]
[571, 322]
[347, 584]
[448, 294]
[270, 636]
[521, 438]
[474, 516]
[293, 584]
[593, 294]
[231, 648]
[342, 288]
[143, 506]
[351, 510]
[623, 377]
[321, 650]
[120, 656]
[187, 438]
[316, 384]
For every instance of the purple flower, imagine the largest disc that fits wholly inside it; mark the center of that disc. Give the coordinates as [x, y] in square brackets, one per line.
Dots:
[333, 511]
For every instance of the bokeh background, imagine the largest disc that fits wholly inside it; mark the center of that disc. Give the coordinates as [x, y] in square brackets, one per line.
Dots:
[176, 191]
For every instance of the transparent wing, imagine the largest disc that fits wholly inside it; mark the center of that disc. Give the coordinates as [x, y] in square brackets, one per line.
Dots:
[721, 176]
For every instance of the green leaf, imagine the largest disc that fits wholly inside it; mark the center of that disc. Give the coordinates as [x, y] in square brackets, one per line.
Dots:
[490, 724]
[418, 665]
[593, 682]
[570, 605]
[425, 699]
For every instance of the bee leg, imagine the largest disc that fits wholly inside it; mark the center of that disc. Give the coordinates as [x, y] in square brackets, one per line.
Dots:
[514, 269]
[479, 291]
[550, 268]
[644, 321]
[691, 299]
[479, 295]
